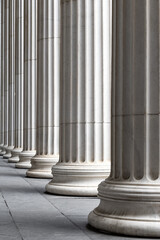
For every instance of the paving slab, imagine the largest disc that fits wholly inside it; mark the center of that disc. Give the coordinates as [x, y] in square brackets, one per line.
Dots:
[27, 212]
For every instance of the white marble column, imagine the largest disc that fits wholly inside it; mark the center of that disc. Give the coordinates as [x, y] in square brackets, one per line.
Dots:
[130, 197]
[11, 87]
[1, 69]
[19, 81]
[30, 85]
[85, 99]
[2, 77]
[6, 75]
[47, 145]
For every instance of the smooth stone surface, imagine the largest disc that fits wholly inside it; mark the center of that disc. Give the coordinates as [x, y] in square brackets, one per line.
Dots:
[3, 150]
[1, 145]
[8, 152]
[124, 226]
[41, 166]
[127, 208]
[15, 155]
[7, 155]
[30, 214]
[76, 180]
[25, 159]
[2, 153]
[13, 159]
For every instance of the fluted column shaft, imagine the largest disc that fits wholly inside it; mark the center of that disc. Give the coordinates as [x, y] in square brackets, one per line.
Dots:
[1, 27]
[6, 73]
[19, 81]
[30, 85]
[130, 196]
[47, 89]
[85, 99]
[11, 87]
[2, 75]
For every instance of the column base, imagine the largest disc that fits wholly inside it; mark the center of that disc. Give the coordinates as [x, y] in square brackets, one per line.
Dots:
[15, 155]
[1, 145]
[5, 150]
[25, 159]
[2, 153]
[41, 166]
[8, 152]
[128, 209]
[76, 180]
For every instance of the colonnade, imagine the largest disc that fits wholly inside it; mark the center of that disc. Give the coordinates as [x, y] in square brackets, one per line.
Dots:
[56, 109]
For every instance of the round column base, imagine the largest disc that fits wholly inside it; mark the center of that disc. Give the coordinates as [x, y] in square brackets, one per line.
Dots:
[76, 180]
[7, 155]
[4, 147]
[15, 155]
[1, 145]
[128, 209]
[13, 159]
[41, 166]
[3, 152]
[25, 159]
[8, 152]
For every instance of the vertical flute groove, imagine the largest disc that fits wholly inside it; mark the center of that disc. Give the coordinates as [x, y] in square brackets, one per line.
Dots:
[6, 72]
[48, 78]
[135, 112]
[83, 116]
[11, 125]
[2, 71]
[19, 80]
[30, 77]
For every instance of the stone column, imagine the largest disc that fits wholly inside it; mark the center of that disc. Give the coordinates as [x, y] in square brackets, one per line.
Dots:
[2, 78]
[130, 197]
[30, 85]
[47, 145]
[19, 81]
[85, 99]
[11, 87]
[1, 70]
[6, 75]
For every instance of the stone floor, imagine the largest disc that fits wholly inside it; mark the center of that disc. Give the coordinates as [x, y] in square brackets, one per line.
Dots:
[27, 213]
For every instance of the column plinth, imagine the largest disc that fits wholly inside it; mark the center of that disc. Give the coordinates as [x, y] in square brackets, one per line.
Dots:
[1, 145]
[85, 99]
[15, 155]
[128, 208]
[5, 151]
[41, 166]
[8, 152]
[76, 179]
[130, 197]
[48, 75]
[25, 158]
